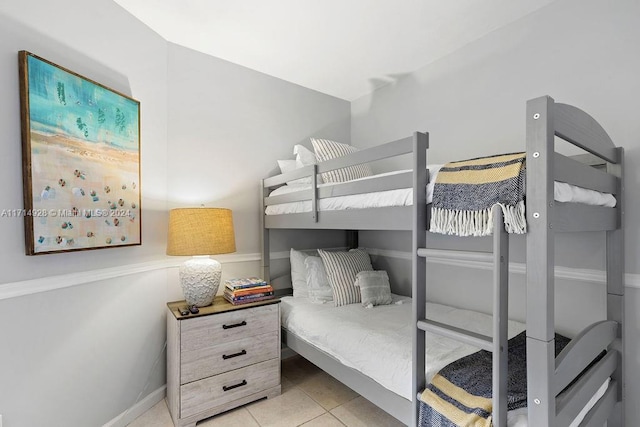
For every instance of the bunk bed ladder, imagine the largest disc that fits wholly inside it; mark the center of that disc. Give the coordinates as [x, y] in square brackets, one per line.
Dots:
[615, 291]
[500, 318]
[419, 267]
[498, 345]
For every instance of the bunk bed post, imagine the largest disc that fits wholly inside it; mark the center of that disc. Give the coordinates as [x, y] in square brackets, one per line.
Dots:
[615, 293]
[500, 317]
[540, 262]
[419, 266]
[352, 239]
[314, 187]
[264, 238]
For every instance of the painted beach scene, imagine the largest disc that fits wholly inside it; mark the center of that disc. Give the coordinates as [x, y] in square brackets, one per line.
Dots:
[84, 162]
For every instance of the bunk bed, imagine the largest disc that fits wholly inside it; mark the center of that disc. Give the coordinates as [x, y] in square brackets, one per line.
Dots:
[558, 388]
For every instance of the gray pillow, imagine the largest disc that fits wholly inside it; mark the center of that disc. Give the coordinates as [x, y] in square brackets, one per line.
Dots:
[342, 268]
[374, 288]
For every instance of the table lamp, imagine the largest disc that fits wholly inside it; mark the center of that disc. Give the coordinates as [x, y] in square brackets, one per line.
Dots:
[200, 232]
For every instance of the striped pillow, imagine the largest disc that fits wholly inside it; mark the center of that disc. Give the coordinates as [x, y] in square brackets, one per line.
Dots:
[326, 150]
[342, 269]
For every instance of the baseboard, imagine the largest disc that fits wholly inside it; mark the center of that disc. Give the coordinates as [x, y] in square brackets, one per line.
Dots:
[138, 409]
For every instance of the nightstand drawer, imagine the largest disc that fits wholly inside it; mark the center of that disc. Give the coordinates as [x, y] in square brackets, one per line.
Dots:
[205, 362]
[201, 395]
[206, 331]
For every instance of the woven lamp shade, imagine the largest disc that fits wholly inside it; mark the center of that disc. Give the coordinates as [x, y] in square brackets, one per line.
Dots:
[200, 231]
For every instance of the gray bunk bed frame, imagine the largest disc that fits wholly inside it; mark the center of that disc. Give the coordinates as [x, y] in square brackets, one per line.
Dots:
[572, 372]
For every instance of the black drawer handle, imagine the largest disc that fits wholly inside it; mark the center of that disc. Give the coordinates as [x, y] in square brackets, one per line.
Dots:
[229, 356]
[231, 387]
[243, 323]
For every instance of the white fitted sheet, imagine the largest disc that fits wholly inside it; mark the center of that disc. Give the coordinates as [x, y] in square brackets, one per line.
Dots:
[377, 341]
[563, 192]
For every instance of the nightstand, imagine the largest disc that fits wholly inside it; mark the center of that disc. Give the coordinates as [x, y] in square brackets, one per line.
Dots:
[223, 357]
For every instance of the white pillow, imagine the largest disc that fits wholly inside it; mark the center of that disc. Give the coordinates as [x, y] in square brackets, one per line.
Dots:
[342, 269]
[305, 155]
[287, 165]
[326, 150]
[374, 288]
[317, 282]
[298, 274]
[291, 165]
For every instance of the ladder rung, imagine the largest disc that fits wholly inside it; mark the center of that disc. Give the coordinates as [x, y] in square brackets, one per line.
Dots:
[460, 255]
[422, 252]
[472, 338]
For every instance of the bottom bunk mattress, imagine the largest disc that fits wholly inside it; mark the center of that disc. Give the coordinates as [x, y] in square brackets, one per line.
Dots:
[377, 341]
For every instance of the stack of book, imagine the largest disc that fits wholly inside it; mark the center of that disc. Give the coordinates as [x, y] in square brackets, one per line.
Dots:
[244, 291]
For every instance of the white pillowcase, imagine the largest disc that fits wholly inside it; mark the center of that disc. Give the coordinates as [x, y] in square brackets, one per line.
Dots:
[291, 165]
[305, 155]
[287, 165]
[374, 288]
[298, 274]
[326, 150]
[317, 282]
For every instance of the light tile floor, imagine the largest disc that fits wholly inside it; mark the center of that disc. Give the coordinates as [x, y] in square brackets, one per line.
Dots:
[310, 398]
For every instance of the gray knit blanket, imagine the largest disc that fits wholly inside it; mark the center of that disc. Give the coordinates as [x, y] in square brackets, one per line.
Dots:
[460, 394]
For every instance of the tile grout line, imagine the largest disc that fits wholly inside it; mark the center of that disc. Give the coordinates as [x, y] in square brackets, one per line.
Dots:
[246, 408]
[326, 411]
[308, 421]
[306, 394]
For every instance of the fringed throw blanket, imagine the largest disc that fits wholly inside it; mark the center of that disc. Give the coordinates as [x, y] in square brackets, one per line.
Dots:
[460, 394]
[465, 192]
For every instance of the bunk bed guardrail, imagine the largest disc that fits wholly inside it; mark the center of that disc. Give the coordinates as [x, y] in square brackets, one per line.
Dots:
[384, 218]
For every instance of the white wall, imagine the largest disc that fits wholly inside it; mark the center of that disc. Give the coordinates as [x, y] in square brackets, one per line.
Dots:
[82, 355]
[227, 126]
[90, 350]
[472, 103]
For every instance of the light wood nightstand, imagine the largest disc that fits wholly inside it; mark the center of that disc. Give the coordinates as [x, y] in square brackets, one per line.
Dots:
[223, 357]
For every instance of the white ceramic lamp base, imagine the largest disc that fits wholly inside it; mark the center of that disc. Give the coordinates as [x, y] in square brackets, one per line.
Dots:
[200, 279]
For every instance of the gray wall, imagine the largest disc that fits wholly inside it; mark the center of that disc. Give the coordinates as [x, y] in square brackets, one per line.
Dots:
[90, 350]
[472, 103]
[81, 355]
[228, 124]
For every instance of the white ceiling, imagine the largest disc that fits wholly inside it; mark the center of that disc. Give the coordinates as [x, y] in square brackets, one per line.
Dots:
[345, 48]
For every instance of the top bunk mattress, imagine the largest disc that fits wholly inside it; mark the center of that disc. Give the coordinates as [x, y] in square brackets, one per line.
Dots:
[563, 192]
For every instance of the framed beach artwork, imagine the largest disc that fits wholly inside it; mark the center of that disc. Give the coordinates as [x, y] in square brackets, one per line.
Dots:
[81, 161]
